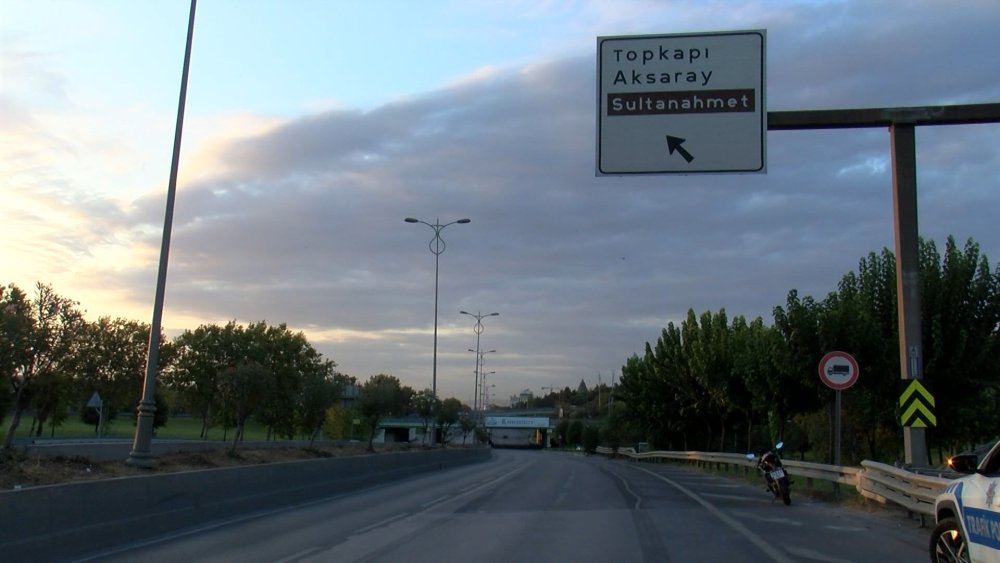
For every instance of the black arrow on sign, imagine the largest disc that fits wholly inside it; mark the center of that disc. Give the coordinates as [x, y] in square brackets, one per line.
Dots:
[674, 144]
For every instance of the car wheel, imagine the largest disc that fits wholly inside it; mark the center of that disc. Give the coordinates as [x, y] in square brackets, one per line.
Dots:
[947, 543]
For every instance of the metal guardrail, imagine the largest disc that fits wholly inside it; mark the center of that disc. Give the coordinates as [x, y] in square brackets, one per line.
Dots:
[876, 481]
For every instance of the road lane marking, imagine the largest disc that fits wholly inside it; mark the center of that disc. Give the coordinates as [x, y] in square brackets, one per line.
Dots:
[300, 555]
[814, 555]
[364, 542]
[380, 523]
[638, 499]
[730, 497]
[753, 538]
[438, 500]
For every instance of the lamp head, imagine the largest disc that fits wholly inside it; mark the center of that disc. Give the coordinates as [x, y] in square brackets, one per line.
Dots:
[411, 220]
[463, 221]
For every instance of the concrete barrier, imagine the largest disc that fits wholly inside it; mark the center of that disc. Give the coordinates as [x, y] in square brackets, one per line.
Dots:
[57, 522]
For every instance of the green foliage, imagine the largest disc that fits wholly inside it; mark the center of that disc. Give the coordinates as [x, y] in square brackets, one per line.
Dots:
[338, 422]
[707, 382]
[574, 436]
[319, 391]
[590, 438]
[37, 351]
[243, 389]
[448, 414]
[613, 432]
[303, 383]
[426, 406]
[561, 437]
[468, 424]
[382, 396]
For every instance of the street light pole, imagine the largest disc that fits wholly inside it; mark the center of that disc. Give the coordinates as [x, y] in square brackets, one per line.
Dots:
[478, 329]
[141, 454]
[437, 247]
[482, 378]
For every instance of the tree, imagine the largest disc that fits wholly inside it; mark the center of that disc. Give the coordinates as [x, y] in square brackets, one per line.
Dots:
[447, 415]
[961, 341]
[426, 405]
[590, 438]
[860, 318]
[467, 423]
[202, 355]
[794, 387]
[112, 362]
[562, 433]
[381, 396]
[38, 344]
[243, 390]
[575, 434]
[753, 364]
[320, 391]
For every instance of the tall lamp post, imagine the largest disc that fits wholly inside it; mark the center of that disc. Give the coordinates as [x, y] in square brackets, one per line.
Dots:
[478, 329]
[482, 379]
[141, 454]
[437, 247]
[486, 389]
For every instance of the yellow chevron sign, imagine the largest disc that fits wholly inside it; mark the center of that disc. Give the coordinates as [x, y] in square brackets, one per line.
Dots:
[917, 406]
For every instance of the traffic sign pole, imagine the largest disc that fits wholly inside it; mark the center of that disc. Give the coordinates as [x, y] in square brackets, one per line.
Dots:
[838, 370]
[904, 206]
[836, 428]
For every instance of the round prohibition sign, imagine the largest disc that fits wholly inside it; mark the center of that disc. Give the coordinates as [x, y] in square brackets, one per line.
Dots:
[838, 370]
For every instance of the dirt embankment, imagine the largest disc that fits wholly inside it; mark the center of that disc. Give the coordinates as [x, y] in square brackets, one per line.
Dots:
[19, 470]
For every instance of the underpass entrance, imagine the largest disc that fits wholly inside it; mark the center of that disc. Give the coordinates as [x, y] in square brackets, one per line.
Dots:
[517, 431]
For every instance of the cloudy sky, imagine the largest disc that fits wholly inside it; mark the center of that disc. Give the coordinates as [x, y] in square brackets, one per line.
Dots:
[313, 128]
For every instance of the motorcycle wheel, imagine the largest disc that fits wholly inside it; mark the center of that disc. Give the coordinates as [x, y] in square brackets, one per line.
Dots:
[786, 494]
[947, 543]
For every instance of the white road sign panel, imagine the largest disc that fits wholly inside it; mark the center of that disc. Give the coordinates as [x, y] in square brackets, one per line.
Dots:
[681, 104]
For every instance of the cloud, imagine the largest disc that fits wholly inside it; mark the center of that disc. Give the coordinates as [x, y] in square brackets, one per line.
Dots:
[300, 220]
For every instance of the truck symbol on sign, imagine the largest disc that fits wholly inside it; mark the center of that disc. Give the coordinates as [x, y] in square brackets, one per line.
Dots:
[842, 370]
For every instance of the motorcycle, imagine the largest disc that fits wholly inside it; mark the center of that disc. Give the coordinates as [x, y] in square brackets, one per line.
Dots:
[774, 473]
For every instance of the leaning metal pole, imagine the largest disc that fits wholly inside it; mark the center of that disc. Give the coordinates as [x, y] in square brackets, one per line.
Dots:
[141, 454]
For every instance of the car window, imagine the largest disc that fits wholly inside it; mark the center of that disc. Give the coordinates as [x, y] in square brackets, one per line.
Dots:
[991, 466]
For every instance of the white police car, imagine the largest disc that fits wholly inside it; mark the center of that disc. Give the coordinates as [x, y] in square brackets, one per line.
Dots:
[968, 512]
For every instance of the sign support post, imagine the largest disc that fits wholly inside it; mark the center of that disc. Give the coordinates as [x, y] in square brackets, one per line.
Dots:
[838, 370]
[904, 207]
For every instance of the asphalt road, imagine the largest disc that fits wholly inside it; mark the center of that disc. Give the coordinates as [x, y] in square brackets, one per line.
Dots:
[528, 506]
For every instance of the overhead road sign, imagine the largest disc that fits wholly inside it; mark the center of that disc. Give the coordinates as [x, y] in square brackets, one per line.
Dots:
[681, 103]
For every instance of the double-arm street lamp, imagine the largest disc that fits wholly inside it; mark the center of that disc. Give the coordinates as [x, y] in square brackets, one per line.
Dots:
[437, 247]
[480, 378]
[478, 329]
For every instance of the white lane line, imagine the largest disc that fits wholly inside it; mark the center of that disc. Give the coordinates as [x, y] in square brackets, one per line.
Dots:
[438, 500]
[814, 555]
[758, 541]
[300, 555]
[730, 497]
[381, 523]
[846, 528]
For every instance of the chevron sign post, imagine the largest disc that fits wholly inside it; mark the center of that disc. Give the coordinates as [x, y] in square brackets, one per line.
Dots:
[917, 406]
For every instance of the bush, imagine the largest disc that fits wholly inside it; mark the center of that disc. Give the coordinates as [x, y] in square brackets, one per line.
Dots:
[591, 438]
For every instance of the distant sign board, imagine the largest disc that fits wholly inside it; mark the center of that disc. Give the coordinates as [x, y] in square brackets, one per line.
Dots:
[681, 104]
[517, 422]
